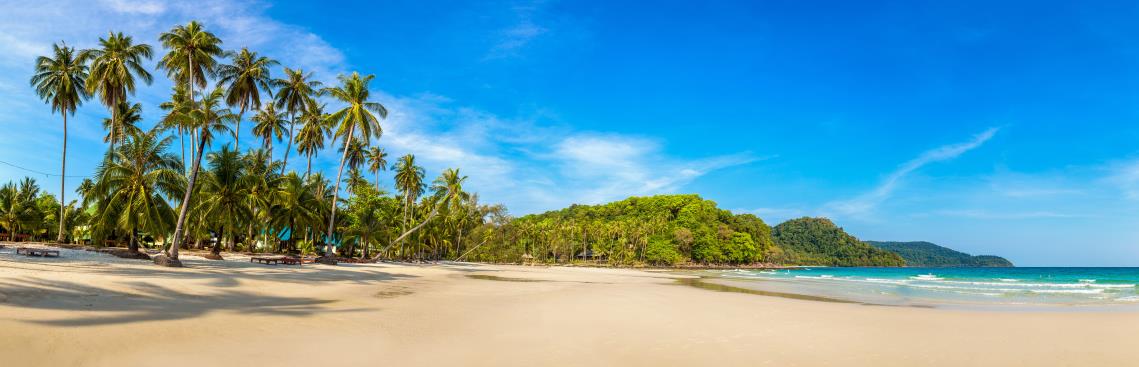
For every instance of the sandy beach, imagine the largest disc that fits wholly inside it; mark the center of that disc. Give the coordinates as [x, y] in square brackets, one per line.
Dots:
[90, 309]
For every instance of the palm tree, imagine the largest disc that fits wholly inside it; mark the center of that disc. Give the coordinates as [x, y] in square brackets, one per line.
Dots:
[132, 190]
[122, 122]
[178, 112]
[209, 118]
[114, 66]
[269, 124]
[449, 188]
[356, 118]
[310, 140]
[60, 82]
[296, 204]
[223, 195]
[409, 182]
[294, 95]
[261, 180]
[245, 78]
[377, 161]
[190, 57]
[16, 209]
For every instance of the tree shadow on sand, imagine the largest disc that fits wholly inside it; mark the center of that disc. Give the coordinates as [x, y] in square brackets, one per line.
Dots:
[146, 302]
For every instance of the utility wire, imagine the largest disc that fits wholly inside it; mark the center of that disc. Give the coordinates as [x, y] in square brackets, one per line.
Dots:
[38, 172]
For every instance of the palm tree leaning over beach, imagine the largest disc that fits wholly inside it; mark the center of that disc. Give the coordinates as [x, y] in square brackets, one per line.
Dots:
[310, 139]
[377, 161]
[133, 189]
[245, 77]
[60, 82]
[191, 56]
[357, 118]
[294, 94]
[211, 117]
[114, 67]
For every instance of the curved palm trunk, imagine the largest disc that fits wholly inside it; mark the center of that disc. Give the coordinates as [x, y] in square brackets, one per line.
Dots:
[289, 147]
[336, 192]
[62, 181]
[173, 250]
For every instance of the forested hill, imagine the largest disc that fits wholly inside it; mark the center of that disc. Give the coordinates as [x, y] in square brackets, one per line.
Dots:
[673, 230]
[925, 254]
[657, 230]
[818, 241]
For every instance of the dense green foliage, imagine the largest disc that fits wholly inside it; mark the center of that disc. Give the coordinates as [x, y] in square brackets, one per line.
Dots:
[818, 241]
[925, 254]
[657, 230]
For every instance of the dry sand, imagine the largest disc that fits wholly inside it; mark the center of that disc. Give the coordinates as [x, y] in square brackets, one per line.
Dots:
[88, 309]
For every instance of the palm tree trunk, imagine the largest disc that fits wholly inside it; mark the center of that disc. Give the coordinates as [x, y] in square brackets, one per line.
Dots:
[336, 191]
[308, 168]
[173, 251]
[62, 180]
[182, 138]
[289, 148]
[132, 246]
[114, 113]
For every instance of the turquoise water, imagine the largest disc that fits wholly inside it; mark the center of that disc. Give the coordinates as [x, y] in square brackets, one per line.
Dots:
[950, 286]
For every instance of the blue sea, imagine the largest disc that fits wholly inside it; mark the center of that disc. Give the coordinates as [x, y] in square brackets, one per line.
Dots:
[949, 286]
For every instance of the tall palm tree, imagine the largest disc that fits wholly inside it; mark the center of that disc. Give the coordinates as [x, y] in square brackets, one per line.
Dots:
[223, 195]
[294, 94]
[132, 190]
[310, 140]
[122, 122]
[60, 82]
[191, 56]
[114, 67]
[409, 182]
[268, 123]
[245, 77]
[358, 117]
[377, 161]
[211, 117]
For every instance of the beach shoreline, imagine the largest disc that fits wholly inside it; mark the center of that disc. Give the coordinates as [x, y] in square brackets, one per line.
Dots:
[92, 309]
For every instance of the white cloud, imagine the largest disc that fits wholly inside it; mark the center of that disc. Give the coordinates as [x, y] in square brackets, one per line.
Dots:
[865, 203]
[515, 37]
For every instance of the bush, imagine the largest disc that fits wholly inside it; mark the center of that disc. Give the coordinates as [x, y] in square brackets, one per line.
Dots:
[662, 252]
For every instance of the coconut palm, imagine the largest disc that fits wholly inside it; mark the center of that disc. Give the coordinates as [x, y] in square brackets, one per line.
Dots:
[377, 161]
[295, 205]
[294, 94]
[16, 210]
[114, 67]
[209, 118]
[310, 140]
[60, 82]
[132, 189]
[409, 183]
[178, 116]
[122, 123]
[357, 120]
[223, 195]
[261, 180]
[245, 77]
[269, 124]
[191, 56]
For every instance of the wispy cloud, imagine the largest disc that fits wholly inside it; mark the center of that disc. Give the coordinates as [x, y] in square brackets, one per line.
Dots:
[867, 202]
[525, 28]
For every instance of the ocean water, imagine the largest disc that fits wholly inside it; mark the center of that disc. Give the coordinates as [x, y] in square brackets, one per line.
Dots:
[950, 286]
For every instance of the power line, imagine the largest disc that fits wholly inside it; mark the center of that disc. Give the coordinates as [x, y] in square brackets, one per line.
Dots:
[38, 172]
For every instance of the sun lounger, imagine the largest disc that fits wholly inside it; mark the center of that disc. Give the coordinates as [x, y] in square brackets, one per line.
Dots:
[27, 251]
[275, 260]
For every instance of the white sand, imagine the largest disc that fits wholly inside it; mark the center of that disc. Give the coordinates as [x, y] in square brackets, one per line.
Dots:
[89, 309]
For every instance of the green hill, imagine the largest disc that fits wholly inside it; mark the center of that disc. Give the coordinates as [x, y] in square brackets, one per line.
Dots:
[926, 254]
[818, 241]
[656, 230]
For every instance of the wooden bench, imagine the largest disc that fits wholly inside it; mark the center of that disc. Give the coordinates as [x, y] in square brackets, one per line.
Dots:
[275, 260]
[27, 251]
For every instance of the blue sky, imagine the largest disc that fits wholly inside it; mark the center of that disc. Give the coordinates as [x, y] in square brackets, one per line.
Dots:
[1006, 129]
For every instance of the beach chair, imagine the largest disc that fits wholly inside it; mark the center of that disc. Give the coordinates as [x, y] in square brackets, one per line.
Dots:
[28, 251]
